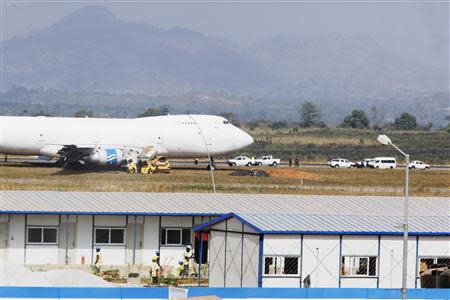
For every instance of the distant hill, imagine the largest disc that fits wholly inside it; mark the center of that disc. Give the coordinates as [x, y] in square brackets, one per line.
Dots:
[93, 59]
[93, 50]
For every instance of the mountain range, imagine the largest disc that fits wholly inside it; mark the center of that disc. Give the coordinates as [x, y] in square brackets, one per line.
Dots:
[91, 51]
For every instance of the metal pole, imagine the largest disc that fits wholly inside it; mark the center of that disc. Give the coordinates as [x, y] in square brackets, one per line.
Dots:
[405, 231]
[207, 151]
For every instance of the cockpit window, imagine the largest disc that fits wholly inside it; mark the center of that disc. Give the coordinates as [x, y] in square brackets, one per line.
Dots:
[225, 122]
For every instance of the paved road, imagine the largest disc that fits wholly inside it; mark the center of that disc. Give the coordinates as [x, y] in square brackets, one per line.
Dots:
[176, 162]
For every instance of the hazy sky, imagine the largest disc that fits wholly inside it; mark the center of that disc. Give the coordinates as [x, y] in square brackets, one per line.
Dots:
[415, 30]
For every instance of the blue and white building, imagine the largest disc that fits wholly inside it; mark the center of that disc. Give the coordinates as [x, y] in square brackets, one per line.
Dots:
[247, 240]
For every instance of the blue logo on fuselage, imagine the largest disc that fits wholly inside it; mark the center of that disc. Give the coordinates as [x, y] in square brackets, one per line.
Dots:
[111, 157]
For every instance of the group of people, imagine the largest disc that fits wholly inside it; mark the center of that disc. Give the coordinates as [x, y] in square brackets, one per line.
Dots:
[296, 162]
[181, 270]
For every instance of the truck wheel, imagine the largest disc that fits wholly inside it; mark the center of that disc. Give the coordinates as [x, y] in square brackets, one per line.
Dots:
[233, 164]
[249, 164]
[274, 164]
[336, 166]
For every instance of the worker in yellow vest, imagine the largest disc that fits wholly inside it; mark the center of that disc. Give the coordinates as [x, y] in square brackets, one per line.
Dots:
[155, 270]
[187, 255]
[177, 270]
[97, 262]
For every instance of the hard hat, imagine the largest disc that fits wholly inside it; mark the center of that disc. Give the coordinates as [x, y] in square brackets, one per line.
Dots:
[97, 249]
[189, 246]
[180, 262]
[154, 258]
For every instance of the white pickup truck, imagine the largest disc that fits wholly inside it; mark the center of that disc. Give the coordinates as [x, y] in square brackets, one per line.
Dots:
[241, 161]
[267, 160]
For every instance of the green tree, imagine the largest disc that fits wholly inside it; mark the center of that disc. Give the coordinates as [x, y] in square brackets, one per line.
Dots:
[278, 125]
[357, 119]
[405, 122]
[155, 111]
[84, 114]
[310, 115]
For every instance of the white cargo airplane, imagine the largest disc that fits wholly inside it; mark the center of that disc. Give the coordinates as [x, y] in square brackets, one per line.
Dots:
[109, 142]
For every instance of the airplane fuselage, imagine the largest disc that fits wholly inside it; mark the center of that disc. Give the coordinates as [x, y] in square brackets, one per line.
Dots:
[174, 136]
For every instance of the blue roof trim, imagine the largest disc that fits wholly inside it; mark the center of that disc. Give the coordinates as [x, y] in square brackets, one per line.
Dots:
[226, 217]
[15, 212]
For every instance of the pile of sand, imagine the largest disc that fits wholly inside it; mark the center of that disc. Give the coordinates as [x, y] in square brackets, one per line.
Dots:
[19, 275]
[292, 173]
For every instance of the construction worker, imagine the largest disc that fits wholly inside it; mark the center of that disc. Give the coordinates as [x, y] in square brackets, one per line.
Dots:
[97, 262]
[155, 270]
[187, 255]
[158, 256]
[176, 272]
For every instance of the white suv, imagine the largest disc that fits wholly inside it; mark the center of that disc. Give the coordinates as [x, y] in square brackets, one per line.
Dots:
[341, 163]
[417, 164]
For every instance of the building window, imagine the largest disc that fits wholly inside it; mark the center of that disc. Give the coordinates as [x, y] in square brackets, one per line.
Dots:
[113, 236]
[281, 265]
[354, 266]
[42, 235]
[425, 263]
[175, 236]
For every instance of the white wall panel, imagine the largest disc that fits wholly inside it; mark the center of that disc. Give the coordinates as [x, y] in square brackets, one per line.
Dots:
[359, 282]
[216, 259]
[284, 282]
[277, 244]
[321, 260]
[171, 255]
[84, 239]
[391, 253]
[16, 248]
[176, 221]
[113, 255]
[4, 241]
[233, 259]
[360, 245]
[251, 260]
[106, 221]
[42, 254]
[46, 220]
[150, 238]
[434, 246]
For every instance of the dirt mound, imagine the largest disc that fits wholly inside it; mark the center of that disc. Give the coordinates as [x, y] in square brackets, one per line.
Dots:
[292, 173]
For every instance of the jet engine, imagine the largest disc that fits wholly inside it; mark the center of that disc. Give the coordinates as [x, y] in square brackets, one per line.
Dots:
[107, 157]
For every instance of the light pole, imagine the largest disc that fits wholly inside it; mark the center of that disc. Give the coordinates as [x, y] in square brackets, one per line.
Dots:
[383, 139]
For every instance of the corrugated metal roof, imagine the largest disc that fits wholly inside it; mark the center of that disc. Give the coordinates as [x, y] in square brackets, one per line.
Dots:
[294, 223]
[273, 212]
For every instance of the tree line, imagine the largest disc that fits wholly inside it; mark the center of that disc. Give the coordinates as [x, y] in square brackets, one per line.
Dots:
[310, 116]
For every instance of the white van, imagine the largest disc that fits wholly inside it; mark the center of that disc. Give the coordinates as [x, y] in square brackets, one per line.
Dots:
[383, 163]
